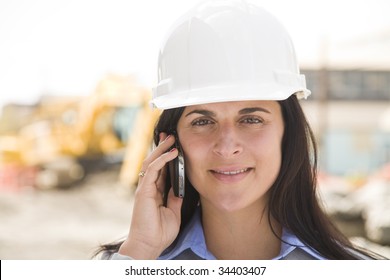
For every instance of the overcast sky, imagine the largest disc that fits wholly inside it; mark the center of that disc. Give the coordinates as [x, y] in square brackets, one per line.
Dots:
[66, 46]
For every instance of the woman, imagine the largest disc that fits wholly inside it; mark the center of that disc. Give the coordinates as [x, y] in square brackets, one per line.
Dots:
[229, 86]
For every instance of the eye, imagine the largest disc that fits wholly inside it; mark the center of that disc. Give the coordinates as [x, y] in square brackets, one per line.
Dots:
[251, 120]
[201, 122]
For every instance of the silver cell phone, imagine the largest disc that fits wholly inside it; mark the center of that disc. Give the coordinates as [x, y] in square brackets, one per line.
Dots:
[177, 175]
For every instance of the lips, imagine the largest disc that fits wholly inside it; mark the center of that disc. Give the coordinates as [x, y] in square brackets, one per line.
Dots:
[230, 175]
[231, 172]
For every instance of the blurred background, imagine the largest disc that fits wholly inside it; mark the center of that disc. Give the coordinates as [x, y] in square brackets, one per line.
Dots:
[75, 123]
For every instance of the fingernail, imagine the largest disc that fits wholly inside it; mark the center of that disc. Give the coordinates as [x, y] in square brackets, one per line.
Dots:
[174, 149]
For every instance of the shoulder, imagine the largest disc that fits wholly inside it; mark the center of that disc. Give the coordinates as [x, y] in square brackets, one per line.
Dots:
[292, 248]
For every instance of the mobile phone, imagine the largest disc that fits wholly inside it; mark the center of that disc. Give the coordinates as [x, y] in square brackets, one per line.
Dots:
[176, 173]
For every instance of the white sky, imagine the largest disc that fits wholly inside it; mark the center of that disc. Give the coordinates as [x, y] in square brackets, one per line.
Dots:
[66, 46]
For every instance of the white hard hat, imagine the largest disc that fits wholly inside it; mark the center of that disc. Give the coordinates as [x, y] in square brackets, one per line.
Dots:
[227, 51]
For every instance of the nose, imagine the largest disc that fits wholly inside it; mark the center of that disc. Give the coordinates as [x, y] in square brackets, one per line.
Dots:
[227, 142]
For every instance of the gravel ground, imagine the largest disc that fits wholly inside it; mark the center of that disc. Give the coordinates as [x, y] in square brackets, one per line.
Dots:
[70, 224]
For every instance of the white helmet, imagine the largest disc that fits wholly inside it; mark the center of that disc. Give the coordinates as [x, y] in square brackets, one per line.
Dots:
[227, 51]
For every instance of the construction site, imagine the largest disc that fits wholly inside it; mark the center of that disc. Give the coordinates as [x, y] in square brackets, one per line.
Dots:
[76, 122]
[69, 167]
[64, 162]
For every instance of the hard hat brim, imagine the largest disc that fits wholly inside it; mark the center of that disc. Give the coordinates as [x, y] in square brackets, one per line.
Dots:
[226, 94]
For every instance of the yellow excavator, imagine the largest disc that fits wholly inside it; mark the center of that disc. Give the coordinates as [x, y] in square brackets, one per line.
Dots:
[66, 137]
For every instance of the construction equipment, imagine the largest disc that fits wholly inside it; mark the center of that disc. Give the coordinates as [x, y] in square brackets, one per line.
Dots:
[66, 138]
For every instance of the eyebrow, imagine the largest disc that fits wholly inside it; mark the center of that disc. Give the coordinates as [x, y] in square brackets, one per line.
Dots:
[241, 112]
[252, 110]
[202, 112]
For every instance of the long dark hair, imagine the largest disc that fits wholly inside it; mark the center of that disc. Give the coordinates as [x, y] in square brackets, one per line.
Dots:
[293, 196]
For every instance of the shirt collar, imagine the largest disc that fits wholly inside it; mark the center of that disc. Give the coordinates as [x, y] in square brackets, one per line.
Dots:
[193, 238]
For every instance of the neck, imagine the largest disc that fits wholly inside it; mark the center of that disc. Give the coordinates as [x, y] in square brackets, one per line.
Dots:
[245, 234]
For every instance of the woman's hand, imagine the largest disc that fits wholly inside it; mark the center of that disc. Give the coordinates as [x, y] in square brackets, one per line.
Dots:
[153, 226]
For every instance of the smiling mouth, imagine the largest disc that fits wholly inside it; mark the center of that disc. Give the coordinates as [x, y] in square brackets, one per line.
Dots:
[232, 172]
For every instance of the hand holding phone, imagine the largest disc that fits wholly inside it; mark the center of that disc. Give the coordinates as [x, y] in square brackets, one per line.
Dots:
[153, 228]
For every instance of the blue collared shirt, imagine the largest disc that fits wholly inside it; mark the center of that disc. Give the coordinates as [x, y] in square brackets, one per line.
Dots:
[193, 238]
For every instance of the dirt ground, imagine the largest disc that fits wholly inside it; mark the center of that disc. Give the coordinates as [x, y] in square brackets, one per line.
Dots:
[69, 224]
[64, 224]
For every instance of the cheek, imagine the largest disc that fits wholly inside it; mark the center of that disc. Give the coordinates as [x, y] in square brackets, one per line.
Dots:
[195, 153]
[268, 153]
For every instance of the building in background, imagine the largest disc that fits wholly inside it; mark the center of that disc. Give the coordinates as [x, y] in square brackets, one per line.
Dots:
[349, 111]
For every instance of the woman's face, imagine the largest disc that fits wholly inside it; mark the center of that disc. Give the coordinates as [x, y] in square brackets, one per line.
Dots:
[232, 151]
